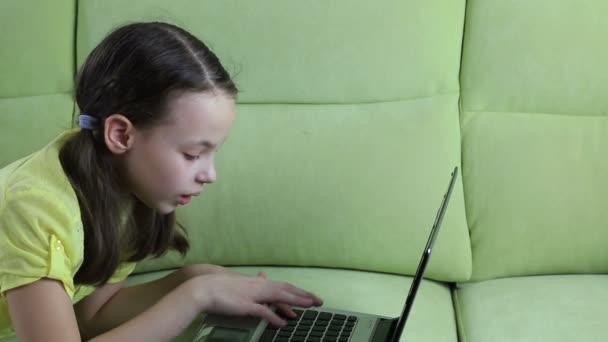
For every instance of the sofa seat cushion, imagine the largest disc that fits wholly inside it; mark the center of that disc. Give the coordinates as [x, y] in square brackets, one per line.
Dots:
[432, 317]
[541, 308]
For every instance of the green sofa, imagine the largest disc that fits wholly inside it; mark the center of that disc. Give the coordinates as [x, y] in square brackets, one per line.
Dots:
[352, 115]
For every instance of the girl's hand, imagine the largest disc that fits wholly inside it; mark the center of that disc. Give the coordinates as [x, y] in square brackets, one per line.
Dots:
[240, 295]
[284, 308]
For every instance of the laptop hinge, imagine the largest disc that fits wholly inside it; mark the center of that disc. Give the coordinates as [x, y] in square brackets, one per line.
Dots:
[384, 330]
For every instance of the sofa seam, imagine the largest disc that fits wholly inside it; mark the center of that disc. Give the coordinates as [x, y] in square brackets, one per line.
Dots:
[535, 113]
[461, 135]
[461, 332]
[66, 92]
[75, 44]
[416, 98]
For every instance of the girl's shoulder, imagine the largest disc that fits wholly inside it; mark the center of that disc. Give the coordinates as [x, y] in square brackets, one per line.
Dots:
[39, 173]
[40, 227]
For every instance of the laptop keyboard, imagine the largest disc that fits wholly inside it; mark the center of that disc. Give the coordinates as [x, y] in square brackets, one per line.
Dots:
[313, 326]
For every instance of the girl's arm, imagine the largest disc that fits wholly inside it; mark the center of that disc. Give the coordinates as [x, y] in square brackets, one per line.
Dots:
[113, 304]
[43, 311]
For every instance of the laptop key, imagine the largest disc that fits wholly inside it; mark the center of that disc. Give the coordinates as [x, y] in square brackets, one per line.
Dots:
[268, 335]
[316, 333]
[350, 324]
[352, 318]
[343, 339]
[318, 328]
[313, 339]
[322, 323]
[330, 339]
[325, 315]
[298, 339]
[310, 314]
[331, 333]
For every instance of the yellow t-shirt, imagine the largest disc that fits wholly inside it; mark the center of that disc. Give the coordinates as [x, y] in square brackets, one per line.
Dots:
[41, 231]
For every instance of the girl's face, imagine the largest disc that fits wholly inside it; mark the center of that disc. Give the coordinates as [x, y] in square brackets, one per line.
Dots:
[169, 163]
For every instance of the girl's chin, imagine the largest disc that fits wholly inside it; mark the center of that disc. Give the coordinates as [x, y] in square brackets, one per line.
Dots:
[163, 208]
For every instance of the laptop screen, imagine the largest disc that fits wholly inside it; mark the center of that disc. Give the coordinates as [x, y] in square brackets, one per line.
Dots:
[426, 254]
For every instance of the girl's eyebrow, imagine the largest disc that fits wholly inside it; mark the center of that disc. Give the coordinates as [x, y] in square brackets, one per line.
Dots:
[207, 144]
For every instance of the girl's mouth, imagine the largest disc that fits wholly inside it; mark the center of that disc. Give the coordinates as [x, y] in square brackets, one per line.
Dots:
[184, 199]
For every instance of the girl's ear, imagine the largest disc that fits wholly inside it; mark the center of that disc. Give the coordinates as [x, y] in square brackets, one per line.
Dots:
[118, 133]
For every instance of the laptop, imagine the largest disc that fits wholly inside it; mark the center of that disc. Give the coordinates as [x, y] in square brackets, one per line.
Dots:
[320, 324]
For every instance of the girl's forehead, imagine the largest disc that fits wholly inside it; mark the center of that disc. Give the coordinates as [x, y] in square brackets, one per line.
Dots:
[200, 116]
[201, 106]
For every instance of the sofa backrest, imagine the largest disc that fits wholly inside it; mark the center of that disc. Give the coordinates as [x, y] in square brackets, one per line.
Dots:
[535, 136]
[36, 72]
[346, 133]
[348, 125]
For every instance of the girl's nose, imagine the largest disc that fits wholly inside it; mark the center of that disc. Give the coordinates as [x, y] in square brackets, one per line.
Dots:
[207, 175]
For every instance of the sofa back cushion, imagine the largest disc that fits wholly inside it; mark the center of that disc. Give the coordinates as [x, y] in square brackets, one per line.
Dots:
[37, 66]
[346, 132]
[535, 136]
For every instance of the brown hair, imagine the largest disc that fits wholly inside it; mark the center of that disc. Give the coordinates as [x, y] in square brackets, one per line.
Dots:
[136, 70]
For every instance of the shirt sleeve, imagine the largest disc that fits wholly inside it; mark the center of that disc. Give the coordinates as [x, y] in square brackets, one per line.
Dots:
[37, 234]
[122, 272]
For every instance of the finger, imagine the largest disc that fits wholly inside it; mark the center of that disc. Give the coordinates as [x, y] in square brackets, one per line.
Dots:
[303, 293]
[262, 275]
[316, 301]
[277, 295]
[294, 289]
[286, 310]
[262, 311]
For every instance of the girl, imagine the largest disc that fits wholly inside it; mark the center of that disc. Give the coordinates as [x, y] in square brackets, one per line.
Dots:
[76, 216]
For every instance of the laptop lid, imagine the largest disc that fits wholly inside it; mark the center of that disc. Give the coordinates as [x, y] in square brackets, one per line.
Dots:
[426, 254]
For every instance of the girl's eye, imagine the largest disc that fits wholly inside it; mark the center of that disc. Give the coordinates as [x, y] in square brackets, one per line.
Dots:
[190, 157]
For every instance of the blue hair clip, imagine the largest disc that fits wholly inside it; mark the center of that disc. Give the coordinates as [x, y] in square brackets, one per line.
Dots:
[86, 121]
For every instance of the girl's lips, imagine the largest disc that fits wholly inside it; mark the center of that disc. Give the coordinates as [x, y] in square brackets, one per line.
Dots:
[184, 199]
